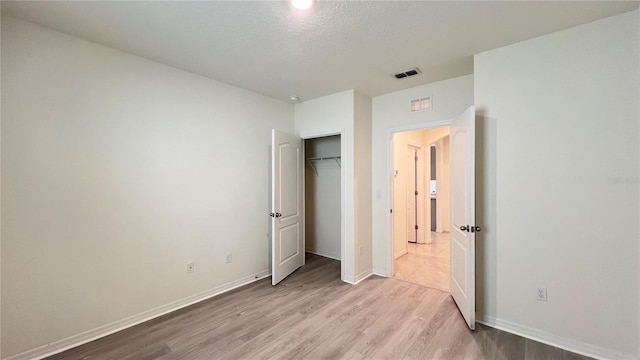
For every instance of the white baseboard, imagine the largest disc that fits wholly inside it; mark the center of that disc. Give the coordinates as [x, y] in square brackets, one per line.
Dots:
[355, 280]
[324, 254]
[553, 340]
[400, 253]
[381, 272]
[108, 329]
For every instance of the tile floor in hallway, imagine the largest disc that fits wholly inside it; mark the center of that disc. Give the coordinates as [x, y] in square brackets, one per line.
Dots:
[426, 264]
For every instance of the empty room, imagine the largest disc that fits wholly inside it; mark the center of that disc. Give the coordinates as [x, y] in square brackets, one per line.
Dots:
[318, 179]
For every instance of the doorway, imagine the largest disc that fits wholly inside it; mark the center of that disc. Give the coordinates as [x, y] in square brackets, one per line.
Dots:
[323, 198]
[292, 189]
[421, 217]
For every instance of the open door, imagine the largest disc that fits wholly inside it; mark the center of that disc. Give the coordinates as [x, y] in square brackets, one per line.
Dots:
[463, 228]
[287, 247]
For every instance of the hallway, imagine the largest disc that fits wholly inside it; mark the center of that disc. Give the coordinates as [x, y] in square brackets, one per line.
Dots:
[426, 264]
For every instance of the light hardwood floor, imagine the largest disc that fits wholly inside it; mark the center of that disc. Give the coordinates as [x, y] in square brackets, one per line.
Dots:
[314, 315]
[426, 264]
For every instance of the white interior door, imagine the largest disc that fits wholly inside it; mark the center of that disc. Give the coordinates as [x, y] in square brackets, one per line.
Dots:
[411, 194]
[463, 228]
[287, 248]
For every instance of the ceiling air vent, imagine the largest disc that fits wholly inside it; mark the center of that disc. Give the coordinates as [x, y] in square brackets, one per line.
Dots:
[407, 73]
[421, 104]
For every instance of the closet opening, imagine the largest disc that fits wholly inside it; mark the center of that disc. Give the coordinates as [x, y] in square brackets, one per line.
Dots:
[323, 200]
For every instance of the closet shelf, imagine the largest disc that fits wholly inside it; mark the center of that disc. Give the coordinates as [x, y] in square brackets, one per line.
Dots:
[311, 160]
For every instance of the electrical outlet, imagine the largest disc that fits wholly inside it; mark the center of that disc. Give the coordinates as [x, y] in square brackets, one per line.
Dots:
[191, 267]
[229, 258]
[541, 294]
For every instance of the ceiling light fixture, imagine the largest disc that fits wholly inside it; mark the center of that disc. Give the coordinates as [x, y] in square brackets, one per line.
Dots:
[302, 4]
[294, 98]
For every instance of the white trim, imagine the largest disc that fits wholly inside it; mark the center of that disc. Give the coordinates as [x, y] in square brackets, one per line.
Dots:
[320, 134]
[349, 279]
[420, 126]
[400, 253]
[381, 272]
[108, 329]
[304, 202]
[324, 254]
[358, 278]
[572, 345]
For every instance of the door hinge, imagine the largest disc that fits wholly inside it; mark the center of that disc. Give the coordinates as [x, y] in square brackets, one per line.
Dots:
[416, 158]
[391, 211]
[416, 227]
[416, 192]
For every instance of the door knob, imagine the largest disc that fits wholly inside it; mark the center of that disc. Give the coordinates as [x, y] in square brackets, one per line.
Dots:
[278, 214]
[464, 228]
[272, 214]
[477, 228]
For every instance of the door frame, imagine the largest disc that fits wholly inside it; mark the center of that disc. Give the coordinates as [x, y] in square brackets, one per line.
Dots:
[390, 133]
[309, 136]
[438, 144]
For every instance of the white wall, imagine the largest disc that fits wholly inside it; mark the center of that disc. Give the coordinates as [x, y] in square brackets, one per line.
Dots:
[391, 112]
[362, 159]
[322, 198]
[117, 172]
[558, 177]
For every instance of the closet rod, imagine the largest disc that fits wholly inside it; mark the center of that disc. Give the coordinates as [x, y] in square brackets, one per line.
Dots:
[325, 158]
[336, 158]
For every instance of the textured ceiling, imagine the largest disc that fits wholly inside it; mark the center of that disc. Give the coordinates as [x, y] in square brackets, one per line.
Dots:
[273, 49]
